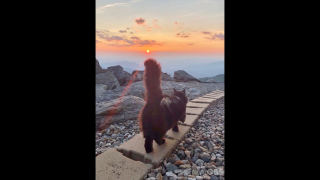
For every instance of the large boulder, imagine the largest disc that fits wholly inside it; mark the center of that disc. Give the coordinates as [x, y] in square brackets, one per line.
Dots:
[138, 76]
[118, 73]
[166, 77]
[128, 77]
[98, 67]
[108, 79]
[182, 76]
[118, 110]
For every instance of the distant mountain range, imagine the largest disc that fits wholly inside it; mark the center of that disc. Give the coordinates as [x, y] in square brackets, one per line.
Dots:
[196, 70]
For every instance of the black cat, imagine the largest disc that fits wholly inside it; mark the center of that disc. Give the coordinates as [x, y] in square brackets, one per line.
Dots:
[161, 112]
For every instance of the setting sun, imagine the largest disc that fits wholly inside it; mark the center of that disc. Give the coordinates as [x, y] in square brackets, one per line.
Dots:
[147, 50]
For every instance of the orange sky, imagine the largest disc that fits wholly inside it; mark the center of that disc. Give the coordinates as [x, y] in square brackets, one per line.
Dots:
[181, 26]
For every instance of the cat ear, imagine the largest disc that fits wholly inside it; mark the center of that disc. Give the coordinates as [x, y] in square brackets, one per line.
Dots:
[184, 91]
[174, 90]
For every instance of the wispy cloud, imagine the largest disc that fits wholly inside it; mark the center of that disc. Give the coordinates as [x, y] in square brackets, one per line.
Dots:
[183, 35]
[190, 44]
[123, 41]
[205, 32]
[100, 9]
[122, 31]
[216, 36]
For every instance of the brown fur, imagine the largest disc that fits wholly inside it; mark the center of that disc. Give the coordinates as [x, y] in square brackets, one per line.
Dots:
[161, 112]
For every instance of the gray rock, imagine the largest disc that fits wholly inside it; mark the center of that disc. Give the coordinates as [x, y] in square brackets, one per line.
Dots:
[151, 175]
[201, 172]
[171, 174]
[181, 154]
[137, 75]
[151, 178]
[118, 73]
[195, 172]
[187, 171]
[118, 110]
[185, 166]
[171, 167]
[108, 79]
[214, 178]
[173, 158]
[166, 77]
[195, 157]
[205, 157]
[182, 76]
[98, 67]
[128, 77]
[199, 162]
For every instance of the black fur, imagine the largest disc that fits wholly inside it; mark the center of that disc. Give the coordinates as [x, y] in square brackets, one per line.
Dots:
[161, 112]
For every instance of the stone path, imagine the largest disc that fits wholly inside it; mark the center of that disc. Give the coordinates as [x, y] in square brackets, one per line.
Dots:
[196, 152]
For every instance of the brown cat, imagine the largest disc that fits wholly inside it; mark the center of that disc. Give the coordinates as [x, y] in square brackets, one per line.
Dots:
[161, 112]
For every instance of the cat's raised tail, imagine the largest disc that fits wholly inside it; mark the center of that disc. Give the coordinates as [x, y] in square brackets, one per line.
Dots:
[152, 81]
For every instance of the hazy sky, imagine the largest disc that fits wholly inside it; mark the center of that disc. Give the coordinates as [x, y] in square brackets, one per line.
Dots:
[126, 29]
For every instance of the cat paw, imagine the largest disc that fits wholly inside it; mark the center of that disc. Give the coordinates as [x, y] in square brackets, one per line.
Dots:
[175, 129]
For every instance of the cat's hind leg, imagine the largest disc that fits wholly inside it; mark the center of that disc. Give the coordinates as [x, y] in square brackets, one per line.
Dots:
[175, 128]
[148, 142]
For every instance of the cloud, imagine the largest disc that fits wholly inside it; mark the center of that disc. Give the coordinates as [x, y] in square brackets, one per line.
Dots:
[113, 38]
[139, 21]
[182, 35]
[216, 36]
[100, 9]
[122, 31]
[205, 32]
[131, 32]
[137, 38]
[127, 28]
[176, 23]
[130, 42]
[190, 44]
[123, 41]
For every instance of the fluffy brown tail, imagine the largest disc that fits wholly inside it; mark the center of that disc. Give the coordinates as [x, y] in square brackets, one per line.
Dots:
[152, 81]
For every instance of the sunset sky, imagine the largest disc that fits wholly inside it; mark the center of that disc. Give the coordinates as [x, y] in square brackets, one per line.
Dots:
[126, 29]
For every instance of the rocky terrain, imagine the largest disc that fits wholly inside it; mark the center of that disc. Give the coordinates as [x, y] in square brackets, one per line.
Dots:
[199, 156]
